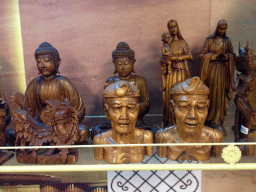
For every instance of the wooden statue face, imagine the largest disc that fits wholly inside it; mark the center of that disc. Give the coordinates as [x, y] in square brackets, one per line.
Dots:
[173, 28]
[221, 29]
[190, 112]
[124, 66]
[46, 65]
[122, 112]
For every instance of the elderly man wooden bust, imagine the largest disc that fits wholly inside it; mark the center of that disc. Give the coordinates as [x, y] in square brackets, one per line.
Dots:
[124, 59]
[190, 103]
[122, 108]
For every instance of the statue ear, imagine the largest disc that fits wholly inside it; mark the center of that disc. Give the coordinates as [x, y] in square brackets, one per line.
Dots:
[115, 66]
[133, 70]
[208, 103]
[57, 64]
[172, 103]
[106, 110]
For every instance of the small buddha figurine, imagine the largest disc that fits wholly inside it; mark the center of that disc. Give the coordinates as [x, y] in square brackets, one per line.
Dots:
[124, 59]
[121, 105]
[190, 103]
[5, 119]
[245, 113]
[52, 86]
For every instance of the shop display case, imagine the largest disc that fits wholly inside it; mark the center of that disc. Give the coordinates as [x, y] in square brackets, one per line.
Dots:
[85, 34]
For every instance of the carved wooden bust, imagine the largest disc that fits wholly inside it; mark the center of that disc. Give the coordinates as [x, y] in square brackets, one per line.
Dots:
[190, 103]
[124, 59]
[122, 108]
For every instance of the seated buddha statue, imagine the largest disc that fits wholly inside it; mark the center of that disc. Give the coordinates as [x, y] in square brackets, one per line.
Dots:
[124, 59]
[49, 85]
[122, 108]
[190, 103]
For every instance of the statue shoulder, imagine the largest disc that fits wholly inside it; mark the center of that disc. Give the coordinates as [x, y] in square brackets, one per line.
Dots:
[101, 138]
[148, 135]
[111, 80]
[62, 78]
[31, 86]
[215, 135]
[166, 133]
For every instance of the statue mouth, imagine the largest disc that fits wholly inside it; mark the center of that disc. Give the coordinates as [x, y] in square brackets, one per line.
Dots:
[191, 124]
[123, 123]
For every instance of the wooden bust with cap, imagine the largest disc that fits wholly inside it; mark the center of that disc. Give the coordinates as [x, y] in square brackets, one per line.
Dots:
[122, 108]
[190, 104]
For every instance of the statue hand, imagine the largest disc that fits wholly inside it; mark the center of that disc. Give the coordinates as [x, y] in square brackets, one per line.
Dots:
[225, 57]
[172, 58]
[163, 69]
[214, 57]
[234, 88]
[179, 59]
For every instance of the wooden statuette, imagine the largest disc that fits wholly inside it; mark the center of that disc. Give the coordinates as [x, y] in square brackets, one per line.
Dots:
[245, 113]
[59, 126]
[44, 93]
[124, 59]
[190, 104]
[217, 71]
[122, 108]
[173, 64]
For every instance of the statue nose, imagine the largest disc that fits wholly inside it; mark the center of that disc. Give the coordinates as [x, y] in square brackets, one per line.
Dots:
[42, 65]
[124, 113]
[191, 113]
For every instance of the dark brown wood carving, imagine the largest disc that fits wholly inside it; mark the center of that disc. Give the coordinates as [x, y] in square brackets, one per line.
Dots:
[59, 126]
[5, 119]
[245, 113]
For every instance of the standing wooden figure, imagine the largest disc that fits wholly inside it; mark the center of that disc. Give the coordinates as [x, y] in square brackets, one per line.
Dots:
[244, 111]
[217, 70]
[173, 64]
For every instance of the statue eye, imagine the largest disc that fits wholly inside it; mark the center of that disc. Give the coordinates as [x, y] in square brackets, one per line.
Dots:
[131, 108]
[201, 108]
[116, 108]
[183, 107]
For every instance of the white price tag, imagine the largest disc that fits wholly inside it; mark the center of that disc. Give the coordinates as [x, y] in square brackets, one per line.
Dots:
[244, 130]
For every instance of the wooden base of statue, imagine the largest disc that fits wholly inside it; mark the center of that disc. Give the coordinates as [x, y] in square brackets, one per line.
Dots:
[247, 150]
[72, 158]
[4, 157]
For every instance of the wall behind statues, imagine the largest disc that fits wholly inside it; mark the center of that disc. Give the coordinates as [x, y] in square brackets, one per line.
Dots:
[12, 73]
[86, 32]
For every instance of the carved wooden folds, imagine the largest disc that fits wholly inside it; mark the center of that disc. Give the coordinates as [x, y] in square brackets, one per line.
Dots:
[59, 126]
